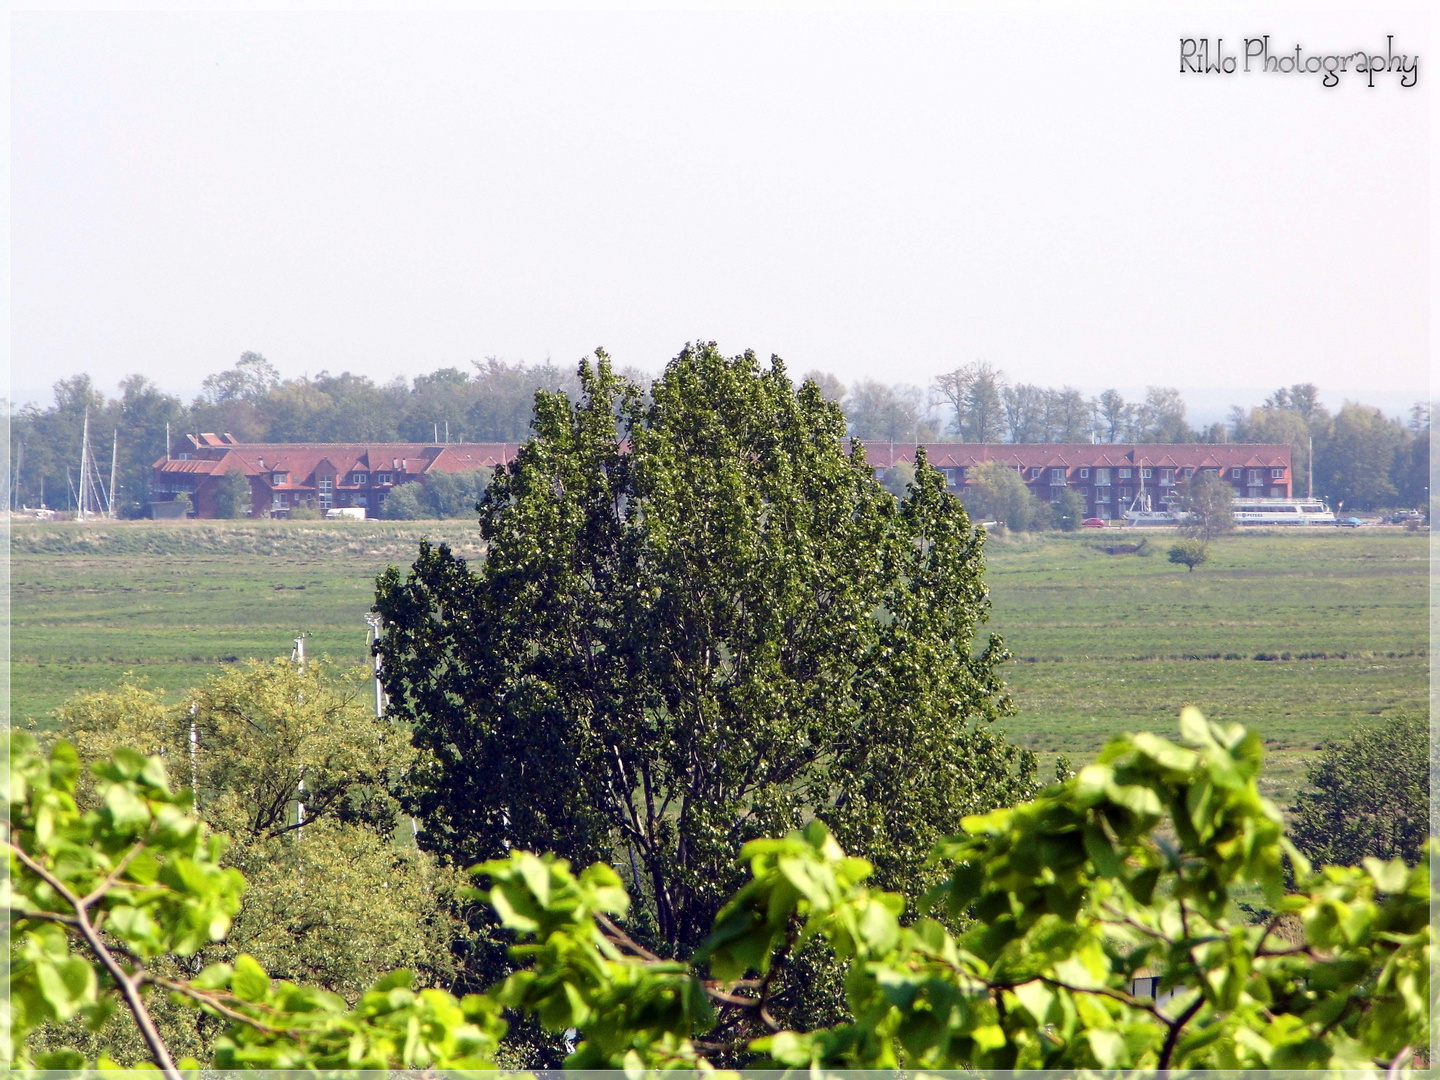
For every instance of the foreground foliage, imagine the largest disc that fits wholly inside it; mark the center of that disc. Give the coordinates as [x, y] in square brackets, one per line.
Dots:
[256, 744]
[1131, 866]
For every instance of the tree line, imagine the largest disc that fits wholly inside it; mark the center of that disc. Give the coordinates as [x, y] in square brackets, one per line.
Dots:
[1362, 458]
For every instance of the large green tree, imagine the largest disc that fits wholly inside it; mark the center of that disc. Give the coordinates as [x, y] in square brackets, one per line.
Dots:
[700, 620]
[1355, 458]
[1368, 796]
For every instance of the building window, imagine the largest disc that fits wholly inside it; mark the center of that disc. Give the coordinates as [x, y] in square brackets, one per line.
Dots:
[1277, 474]
[1124, 474]
[1124, 493]
[1254, 477]
[327, 492]
[1211, 472]
[1084, 474]
[280, 478]
[183, 457]
[1102, 477]
[358, 478]
[360, 499]
[383, 478]
[1234, 474]
[1277, 493]
[1035, 474]
[1167, 477]
[1102, 495]
[1057, 476]
[1189, 473]
[1145, 474]
[279, 501]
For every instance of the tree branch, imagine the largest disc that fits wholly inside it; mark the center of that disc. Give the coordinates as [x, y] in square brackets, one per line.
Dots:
[129, 987]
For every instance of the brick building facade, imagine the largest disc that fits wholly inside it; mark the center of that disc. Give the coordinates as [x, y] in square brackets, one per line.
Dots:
[319, 476]
[322, 476]
[1109, 476]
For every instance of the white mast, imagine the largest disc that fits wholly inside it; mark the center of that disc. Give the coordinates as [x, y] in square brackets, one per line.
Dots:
[114, 455]
[84, 456]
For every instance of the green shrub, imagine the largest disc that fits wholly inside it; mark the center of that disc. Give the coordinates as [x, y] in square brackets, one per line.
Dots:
[1189, 553]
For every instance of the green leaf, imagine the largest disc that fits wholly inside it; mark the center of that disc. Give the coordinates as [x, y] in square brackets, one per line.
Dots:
[250, 982]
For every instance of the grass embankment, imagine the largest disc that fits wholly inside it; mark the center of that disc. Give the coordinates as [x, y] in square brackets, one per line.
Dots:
[1103, 643]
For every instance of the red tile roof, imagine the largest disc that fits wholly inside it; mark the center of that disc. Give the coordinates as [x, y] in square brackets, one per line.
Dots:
[300, 460]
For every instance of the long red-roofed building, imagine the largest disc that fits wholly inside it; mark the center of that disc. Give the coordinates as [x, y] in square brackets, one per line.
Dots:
[1108, 475]
[320, 476]
[327, 476]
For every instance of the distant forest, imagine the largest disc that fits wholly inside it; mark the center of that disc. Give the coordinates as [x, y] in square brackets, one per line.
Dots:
[1363, 458]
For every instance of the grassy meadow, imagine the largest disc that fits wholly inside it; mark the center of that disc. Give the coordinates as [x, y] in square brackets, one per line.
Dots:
[170, 602]
[1300, 635]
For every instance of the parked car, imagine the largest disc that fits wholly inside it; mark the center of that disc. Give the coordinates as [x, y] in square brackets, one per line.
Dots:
[1094, 523]
[1350, 523]
[1400, 517]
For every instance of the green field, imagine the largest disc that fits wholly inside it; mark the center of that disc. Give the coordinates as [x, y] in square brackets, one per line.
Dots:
[1102, 643]
[172, 601]
[1298, 635]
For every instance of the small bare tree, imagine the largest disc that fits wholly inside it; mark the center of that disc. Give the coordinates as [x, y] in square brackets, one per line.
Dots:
[1207, 499]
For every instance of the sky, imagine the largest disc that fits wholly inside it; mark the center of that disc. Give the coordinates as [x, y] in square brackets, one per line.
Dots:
[877, 194]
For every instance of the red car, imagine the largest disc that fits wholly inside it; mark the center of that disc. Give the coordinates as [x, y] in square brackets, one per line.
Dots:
[1094, 523]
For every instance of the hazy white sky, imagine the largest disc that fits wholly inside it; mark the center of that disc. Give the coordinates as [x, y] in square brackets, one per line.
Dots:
[880, 195]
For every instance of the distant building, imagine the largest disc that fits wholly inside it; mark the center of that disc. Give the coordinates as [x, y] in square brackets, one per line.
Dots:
[325, 476]
[1109, 476]
[319, 476]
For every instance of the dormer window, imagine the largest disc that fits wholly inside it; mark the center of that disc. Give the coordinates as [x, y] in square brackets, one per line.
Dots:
[357, 478]
[1084, 474]
[382, 478]
[280, 478]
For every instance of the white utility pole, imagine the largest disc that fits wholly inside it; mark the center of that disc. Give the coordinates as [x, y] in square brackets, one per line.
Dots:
[194, 756]
[374, 621]
[298, 656]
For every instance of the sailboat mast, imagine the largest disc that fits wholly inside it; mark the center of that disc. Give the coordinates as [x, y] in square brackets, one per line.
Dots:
[84, 458]
[114, 456]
